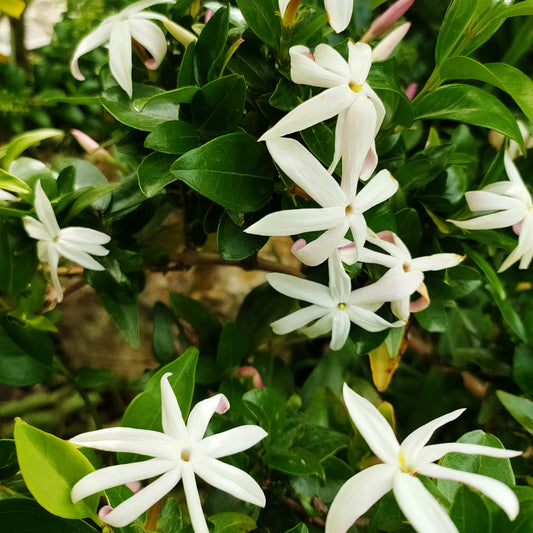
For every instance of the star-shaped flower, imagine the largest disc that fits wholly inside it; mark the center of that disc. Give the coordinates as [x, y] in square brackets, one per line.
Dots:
[401, 463]
[178, 453]
[119, 30]
[339, 12]
[399, 257]
[512, 206]
[348, 95]
[336, 306]
[340, 209]
[74, 243]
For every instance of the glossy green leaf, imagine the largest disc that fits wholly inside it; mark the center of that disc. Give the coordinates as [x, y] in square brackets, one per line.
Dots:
[234, 171]
[263, 19]
[173, 137]
[11, 183]
[268, 408]
[297, 461]
[469, 512]
[183, 95]
[164, 337]
[523, 368]
[50, 468]
[299, 528]
[521, 409]
[232, 523]
[8, 458]
[154, 173]
[470, 105]
[506, 77]
[233, 243]
[233, 345]
[22, 142]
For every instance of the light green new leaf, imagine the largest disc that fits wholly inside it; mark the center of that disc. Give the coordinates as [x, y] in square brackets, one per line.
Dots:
[50, 467]
[521, 409]
[23, 141]
[8, 182]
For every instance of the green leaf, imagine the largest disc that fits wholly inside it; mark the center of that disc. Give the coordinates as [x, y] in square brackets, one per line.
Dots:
[218, 107]
[27, 516]
[469, 512]
[232, 523]
[297, 462]
[298, 528]
[144, 118]
[173, 137]
[233, 243]
[521, 409]
[268, 408]
[470, 105]
[93, 378]
[163, 338]
[523, 368]
[153, 171]
[234, 171]
[144, 412]
[8, 458]
[22, 142]
[183, 95]
[322, 441]
[506, 77]
[11, 183]
[50, 468]
[233, 345]
[263, 19]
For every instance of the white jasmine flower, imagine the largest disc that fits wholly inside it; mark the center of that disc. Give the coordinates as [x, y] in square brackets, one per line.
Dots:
[119, 30]
[401, 463]
[348, 95]
[178, 453]
[339, 12]
[337, 305]
[340, 209]
[74, 243]
[512, 206]
[399, 257]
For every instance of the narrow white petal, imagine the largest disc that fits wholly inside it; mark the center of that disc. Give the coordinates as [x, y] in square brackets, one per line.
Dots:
[325, 105]
[141, 441]
[401, 308]
[369, 256]
[431, 453]
[368, 320]
[340, 329]
[511, 259]
[339, 13]
[357, 495]
[340, 285]
[330, 60]
[489, 201]
[78, 255]
[373, 426]
[229, 479]
[201, 414]
[339, 131]
[378, 104]
[149, 35]
[501, 219]
[359, 231]
[44, 210]
[143, 4]
[112, 476]
[360, 60]
[96, 38]
[295, 221]
[497, 491]
[133, 507]
[525, 240]
[298, 319]
[78, 234]
[306, 70]
[171, 417]
[283, 6]
[231, 441]
[380, 188]
[301, 289]
[306, 171]
[120, 55]
[36, 229]
[420, 507]
[414, 442]
[192, 497]
[320, 327]
[317, 251]
[435, 262]
[512, 171]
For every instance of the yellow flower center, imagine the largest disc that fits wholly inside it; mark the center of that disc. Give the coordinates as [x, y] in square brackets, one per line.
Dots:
[403, 464]
[185, 454]
[355, 87]
[342, 306]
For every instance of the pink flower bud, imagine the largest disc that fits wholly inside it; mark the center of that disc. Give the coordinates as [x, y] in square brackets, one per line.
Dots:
[134, 486]
[223, 405]
[411, 90]
[298, 245]
[104, 511]
[251, 372]
[90, 145]
[517, 227]
[386, 20]
[387, 45]
[208, 14]
[183, 36]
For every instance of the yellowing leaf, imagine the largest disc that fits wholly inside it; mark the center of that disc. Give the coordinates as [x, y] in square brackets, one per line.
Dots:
[385, 359]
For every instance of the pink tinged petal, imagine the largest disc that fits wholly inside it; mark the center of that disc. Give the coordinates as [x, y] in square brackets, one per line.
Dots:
[96, 38]
[301, 289]
[380, 188]
[516, 228]
[433, 452]
[150, 36]
[112, 476]
[414, 442]
[320, 327]
[78, 234]
[386, 20]
[385, 48]
[340, 285]
[294, 221]
[497, 491]
[348, 254]
[141, 441]
[357, 495]
[317, 251]
[329, 59]
[133, 507]
[120, 55]
[339, 13]
[435, 262]
[370, 163]
[420, 507]
[340, 329]
[298, 319]
[325, 105]
[134, 8]
[201, 414]
[230, 479]
[78, 255]
[502, 219]
[104, 511]
[36, 229]
[134, 486]
[360, 61]
[368, 320]
[45, 212]
[231, 441]
[420, 304]
[306, 70]
[489, 201]
[298, 245]
[306, 171]
[372, 425]
[171, 417]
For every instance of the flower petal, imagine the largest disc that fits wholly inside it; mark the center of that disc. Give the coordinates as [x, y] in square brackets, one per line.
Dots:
[331, 61]
[340, 285]
[143, 4]
[298, 319]
[372, 425]
[301, 289]
[112, 476]
[360, 60]
[512, 171]
[309, 70]
[149, 35]
[230, 479]
[171, 417]
[368, 320]
[78, 255]
[44, 211]
[52, 258]
[194, 505]
[497, 491]
[340, 329]
[420, 507]
[120, 55]
[511, 259]
[133, 507]
[36, 229]
[501, 219]
[231, 441]
[320, 327]
[339, 13]
[317, 251]
[357, 495]
[96, 38]
[489, 201]
[401, 309]
[325, 105]
[339, 131]
[433, 452]
[380, 188]
[435, 262]
[387, 45]
[81, 235]
[201, 414]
